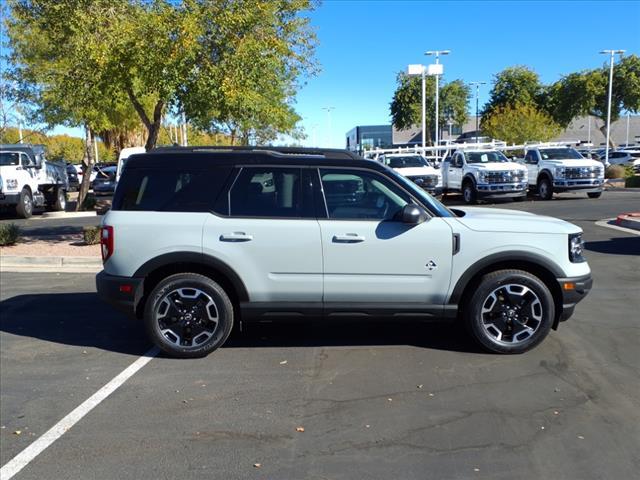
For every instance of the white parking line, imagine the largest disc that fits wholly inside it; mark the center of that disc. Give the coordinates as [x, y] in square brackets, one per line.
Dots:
[605, 223]
[21, 460]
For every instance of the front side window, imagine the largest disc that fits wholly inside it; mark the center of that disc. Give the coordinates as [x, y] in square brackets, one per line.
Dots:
[9, 158]
[361, 195]
[266, 192]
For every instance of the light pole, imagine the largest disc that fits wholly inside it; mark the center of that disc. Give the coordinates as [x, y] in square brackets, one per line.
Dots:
[328, 110]
[627, 143]
[436, 71]
[477, 85]
[419, 69]
[611, 53]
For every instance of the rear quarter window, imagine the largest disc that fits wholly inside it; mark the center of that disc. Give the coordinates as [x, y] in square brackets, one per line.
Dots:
[169, 190]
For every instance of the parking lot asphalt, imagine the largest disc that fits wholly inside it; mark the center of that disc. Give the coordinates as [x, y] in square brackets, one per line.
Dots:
[375, 401]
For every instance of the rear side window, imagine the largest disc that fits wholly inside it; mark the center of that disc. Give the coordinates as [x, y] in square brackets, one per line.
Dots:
[266, 192]
[169, 190]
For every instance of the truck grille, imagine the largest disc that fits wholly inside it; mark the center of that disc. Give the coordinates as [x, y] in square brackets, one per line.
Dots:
[582, 172]
[425, 180]
[504, 177]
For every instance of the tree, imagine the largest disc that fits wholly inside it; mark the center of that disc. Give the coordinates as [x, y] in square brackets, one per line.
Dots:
[512, 86]
[520, 123]
[586, 93]
[406, 105]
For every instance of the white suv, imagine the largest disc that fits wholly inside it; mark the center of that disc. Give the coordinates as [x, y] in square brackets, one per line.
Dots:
[199, 238]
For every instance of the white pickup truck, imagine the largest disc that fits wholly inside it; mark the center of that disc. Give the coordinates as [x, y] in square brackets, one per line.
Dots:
[28, 180]
[563, 169]
[416, 168]
[483, 174]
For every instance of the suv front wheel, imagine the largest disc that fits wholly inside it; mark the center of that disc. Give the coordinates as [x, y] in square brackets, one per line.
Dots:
[188, 315]
[511, 311]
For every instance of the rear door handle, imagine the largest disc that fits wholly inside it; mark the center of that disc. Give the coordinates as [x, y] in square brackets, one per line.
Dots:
[348, 238]
[236, 237]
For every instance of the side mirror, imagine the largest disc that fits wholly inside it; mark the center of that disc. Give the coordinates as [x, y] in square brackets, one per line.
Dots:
[413, 215]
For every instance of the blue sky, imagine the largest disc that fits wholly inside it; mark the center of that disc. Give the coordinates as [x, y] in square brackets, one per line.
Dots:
[364, 44]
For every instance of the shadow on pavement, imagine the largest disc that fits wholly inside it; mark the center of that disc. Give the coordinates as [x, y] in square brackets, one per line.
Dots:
[81, 319]
[616, 246]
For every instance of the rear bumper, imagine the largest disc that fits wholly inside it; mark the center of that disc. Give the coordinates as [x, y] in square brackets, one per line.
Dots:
[573, 289]
[122, 293]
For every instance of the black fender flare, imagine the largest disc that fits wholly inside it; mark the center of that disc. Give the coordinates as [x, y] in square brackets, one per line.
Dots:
[199, 259]
[498, 258]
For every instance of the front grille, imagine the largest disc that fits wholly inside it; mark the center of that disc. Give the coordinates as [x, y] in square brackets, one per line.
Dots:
[572, 173]
[504, 177]
[425, 180]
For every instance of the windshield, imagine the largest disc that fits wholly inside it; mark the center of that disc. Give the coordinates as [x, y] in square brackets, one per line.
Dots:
[9, 158]
[406, 162]
[560, 154]
[433, 204]
[485, 157]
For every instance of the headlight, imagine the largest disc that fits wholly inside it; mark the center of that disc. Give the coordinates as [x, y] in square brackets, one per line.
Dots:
[482, 177]
[12, 183]
[525, 175]
[576, 248]
[559, 173]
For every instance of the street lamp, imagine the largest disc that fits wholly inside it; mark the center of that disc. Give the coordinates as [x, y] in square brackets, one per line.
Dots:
[328, 110]
[611, 53]
[477, 84]
[415, 70]
[436, 71]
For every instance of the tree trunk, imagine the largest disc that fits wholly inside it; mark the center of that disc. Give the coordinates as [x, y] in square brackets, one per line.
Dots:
[603, 130]
[87, 161]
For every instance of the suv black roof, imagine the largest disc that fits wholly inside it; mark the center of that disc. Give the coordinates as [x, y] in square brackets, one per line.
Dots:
[197, 156]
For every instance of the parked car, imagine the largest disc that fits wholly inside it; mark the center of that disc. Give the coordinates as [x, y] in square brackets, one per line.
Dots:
[620, 157]
[416, 168]
[72, 175]
[105, 181]
[563, 169]
[200, 238]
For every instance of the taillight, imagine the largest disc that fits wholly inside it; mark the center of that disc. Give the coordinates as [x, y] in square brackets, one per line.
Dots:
[106, 242]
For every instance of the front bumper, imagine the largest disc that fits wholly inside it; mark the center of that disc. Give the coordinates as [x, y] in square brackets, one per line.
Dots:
[501, 190]
[435, 191]
[122, 293]
[590, 184]
[573, 289]
[9, 198]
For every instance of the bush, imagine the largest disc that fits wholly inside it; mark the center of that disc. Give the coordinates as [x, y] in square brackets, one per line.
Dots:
[89, 202]
[91, 235]
[614, 171]
[9, 234]
[632, 182]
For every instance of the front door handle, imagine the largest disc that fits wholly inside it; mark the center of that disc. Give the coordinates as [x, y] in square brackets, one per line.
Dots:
[348, 238]
[236, 237]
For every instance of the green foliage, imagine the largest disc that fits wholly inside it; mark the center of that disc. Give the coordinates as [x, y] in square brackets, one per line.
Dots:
[614, 171]
[514, 85]
[406, 105]
[519, 123]
[9, 234]
[91, 235]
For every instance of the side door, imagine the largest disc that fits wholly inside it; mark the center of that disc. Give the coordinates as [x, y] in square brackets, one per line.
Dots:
[369, 254]
[455, 172]
[531, 162]
[268, 233]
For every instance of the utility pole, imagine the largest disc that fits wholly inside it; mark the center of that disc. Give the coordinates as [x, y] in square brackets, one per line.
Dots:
[184, 126]
[477, 85]
[20, 130]
[328, 110]
[612, 54]
[437, 71]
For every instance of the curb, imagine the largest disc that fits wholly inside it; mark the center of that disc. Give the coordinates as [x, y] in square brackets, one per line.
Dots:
[14, 263]
[629, 220]
[68, 214]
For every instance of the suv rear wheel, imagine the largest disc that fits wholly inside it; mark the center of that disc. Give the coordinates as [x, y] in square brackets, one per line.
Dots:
[511, 311]
[188, 315]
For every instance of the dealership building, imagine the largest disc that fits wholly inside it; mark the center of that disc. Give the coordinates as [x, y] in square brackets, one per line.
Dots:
[583, 129]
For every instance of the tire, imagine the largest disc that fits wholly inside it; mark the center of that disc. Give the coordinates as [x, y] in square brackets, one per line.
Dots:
[511, 311]
[24, 209]
[190, 302]
[594, 194]
[545, 189]
[60, 201]
[469, 193]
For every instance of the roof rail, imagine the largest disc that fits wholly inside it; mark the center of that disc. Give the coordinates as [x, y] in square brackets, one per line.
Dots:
[332, 153]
